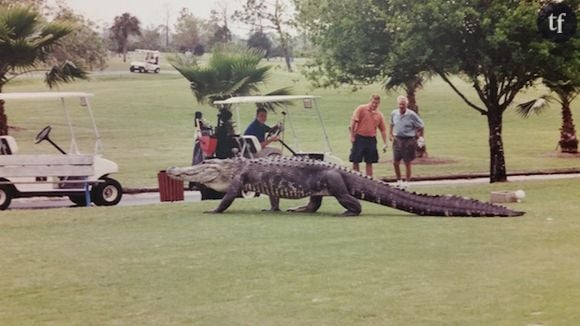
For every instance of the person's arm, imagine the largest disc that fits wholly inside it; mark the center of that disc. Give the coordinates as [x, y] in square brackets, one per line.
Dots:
[419, 125]
[353, 128]
[383, 130]
[269, 141]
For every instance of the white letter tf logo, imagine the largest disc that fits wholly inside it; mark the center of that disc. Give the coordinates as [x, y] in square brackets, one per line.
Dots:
[556, 22]
[559, 20]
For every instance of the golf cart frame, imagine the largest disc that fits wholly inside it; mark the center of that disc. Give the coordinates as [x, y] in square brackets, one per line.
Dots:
[210, 144]
[150, 63]
[83, 177]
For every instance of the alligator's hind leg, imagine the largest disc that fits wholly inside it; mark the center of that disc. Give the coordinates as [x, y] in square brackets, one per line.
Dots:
[351, 204]
[312, 206]
[338, 189]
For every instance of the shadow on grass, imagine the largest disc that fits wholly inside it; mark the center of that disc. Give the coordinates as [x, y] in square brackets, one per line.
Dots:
[295, 215]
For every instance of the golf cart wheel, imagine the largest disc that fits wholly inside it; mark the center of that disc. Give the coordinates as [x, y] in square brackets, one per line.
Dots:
[79, 200]
[141, 69]
[269, 152]
[208, 193]
[156, 70]
[107, 193]
[5, 196]
[132, 69]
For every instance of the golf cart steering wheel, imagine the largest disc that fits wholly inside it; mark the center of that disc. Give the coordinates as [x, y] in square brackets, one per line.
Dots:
[275, 131]
[42, 135]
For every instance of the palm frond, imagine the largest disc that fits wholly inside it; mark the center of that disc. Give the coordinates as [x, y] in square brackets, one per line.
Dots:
[64, 73]
[280, 104]
[536, 106]
[56, 30]
[23, 21]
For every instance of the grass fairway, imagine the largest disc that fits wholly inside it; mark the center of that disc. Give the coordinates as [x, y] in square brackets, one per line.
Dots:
[171, 264]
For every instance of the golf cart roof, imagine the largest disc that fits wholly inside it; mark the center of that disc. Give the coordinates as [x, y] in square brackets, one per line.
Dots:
[265, 99]
[41, 95]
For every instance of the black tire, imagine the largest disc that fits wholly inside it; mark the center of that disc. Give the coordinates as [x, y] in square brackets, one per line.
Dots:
[107, 193]
[132, 69]
[5, 196]
[79, 200]
[156, 70]
[208, 193]
[269, 152]
[141, 69]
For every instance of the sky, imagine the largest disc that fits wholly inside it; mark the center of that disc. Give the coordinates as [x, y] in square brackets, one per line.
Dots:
[151, 12]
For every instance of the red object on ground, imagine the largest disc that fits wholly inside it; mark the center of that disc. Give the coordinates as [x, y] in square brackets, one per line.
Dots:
[169, 189]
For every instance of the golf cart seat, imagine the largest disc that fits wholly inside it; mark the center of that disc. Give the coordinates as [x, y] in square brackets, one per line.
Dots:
[8, 145]
[249, 146]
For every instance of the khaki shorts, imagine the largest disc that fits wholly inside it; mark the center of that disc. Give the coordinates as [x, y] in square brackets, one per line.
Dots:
[404, 149]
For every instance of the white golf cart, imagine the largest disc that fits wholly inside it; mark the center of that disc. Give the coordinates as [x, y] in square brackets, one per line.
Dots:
[150, 62]
[84, 178]
[208, 146]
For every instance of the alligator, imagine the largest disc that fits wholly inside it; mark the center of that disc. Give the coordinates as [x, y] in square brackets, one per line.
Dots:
[299, 177]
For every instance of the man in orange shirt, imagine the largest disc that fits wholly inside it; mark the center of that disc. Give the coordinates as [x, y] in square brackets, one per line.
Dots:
[363, 134]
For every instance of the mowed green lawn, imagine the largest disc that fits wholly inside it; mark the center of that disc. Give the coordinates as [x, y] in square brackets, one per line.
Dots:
[171, 264]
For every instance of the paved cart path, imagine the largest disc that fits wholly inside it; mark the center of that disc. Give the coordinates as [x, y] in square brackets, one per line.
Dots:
[151, 197]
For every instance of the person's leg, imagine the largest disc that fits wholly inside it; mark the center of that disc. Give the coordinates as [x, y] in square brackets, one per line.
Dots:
[408, 157]
[397, 156]
[369, 169]
[356, 154]
[397, 166]
[408, 171]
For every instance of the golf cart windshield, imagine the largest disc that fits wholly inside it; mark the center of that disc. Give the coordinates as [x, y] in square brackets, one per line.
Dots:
[68, 114]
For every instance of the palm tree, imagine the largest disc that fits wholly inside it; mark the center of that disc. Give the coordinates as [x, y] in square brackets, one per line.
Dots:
[26, 42]
[566, 92]
[123, 27]
[228, 73]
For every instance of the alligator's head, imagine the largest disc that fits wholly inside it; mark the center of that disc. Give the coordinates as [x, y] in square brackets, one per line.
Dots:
[214, 173]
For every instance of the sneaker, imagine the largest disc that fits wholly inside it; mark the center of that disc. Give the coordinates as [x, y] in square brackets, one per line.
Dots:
[399, 184]
[404, 185]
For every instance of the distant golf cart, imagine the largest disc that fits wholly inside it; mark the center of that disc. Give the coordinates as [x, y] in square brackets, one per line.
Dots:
[149, 63]
[83, 177]
[214, 142]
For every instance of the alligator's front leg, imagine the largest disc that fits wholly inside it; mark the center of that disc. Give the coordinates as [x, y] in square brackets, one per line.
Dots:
[274, 204]
[312, 206]
[233, 191]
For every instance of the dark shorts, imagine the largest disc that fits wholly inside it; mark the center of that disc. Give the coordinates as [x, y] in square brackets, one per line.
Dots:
[364, 148]
[404, 149]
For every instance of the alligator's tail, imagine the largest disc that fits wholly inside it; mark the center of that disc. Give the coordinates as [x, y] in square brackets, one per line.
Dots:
[432, 205]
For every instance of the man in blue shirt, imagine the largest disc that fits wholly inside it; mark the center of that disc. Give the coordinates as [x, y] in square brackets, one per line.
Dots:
[406, 125]
[259, 128]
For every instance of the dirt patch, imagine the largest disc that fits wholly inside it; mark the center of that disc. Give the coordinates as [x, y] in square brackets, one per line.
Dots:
[427, 161]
